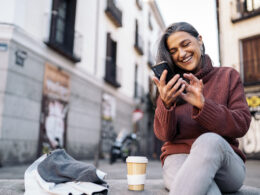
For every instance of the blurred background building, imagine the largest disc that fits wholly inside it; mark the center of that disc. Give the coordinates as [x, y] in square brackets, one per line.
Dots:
[72, 70]
[239, 35]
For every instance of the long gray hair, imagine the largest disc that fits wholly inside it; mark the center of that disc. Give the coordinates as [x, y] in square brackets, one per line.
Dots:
[163, 53]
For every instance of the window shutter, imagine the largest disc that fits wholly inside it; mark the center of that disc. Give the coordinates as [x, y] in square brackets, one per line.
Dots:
[251, 60]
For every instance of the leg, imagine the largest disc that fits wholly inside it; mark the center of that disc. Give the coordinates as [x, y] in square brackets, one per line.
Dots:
[231, 175]
[213, 189]
[171, 166]
[208, 154]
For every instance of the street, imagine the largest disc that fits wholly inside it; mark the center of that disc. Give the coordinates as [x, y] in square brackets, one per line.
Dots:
[12, 177]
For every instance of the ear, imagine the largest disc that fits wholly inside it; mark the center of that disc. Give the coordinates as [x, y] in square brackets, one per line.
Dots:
[200, 40]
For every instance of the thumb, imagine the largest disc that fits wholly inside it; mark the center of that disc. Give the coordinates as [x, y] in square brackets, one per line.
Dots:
[156, 81]
[201, 84]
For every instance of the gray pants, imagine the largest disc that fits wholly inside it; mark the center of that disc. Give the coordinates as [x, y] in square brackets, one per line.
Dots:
[211, 167]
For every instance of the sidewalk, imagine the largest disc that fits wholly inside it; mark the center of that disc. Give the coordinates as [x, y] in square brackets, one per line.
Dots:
[11, 178]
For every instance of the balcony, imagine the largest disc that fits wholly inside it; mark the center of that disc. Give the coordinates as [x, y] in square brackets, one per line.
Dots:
[111, 73]
[139, 44]
[243, 10]
[114, 13]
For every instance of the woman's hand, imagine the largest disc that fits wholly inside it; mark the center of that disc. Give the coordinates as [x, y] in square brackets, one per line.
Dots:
[194, 91]
[170, 91]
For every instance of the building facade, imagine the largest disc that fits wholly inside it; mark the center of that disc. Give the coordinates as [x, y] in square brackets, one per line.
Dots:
[239, 36]
[72, 71]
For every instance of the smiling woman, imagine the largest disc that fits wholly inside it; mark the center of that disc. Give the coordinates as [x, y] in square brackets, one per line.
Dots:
[185, 50]
[200, 154]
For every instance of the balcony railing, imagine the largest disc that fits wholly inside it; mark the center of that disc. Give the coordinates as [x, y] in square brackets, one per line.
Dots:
[114, 13]
[73, 54]
[139, 44]
[111, 73]
[242, 10]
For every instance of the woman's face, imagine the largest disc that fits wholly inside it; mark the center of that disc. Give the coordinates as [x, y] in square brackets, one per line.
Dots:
[185, 50]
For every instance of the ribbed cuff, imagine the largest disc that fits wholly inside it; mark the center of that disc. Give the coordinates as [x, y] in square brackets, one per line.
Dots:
[207, 116]
[164, 114]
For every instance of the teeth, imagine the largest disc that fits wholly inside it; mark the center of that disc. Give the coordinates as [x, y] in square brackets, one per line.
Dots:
[187, 59]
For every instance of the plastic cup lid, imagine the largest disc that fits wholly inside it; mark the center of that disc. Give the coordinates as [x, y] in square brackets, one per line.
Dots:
[137, 159]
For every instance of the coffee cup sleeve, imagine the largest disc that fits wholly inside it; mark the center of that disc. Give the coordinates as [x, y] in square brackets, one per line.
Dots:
[136, 179]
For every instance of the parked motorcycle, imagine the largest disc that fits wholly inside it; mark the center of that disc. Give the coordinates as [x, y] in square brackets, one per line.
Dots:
[126, 144]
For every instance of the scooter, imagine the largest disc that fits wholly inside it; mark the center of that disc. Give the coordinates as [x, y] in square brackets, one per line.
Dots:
[126, 144]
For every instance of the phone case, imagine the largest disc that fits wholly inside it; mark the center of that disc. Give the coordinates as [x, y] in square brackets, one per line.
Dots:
[159, 68]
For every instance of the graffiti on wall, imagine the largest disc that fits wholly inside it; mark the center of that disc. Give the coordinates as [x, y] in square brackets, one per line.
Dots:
[55, 104]
[108, 133]
[251, 141]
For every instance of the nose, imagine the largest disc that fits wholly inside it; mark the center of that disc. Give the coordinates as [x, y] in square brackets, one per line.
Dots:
[182, 54]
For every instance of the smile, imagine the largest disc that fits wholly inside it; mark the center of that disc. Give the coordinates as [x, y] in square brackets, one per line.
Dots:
[186, 59]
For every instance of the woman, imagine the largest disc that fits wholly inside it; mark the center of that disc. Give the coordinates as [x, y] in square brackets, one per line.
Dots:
[199, 114]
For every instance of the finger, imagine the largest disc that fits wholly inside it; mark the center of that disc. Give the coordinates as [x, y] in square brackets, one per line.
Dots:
[172, 81]
[156, 81]
[191, 77]
[187, 85]
[180, 91]
[201, 84]
[184, 96]
[163, 77]
[176, 86]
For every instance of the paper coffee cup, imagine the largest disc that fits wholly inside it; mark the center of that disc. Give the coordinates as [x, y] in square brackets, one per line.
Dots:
[136, 172]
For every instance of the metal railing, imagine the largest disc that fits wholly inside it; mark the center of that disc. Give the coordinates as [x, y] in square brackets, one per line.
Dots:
[111, 72]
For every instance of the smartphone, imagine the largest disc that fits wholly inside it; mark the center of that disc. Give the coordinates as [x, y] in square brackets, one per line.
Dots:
[160, 67]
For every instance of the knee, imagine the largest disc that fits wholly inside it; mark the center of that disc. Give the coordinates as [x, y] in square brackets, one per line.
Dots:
[209, 143]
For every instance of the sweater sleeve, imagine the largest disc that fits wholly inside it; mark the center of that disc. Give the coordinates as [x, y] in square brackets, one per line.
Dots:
[164, 121]
[232, 120]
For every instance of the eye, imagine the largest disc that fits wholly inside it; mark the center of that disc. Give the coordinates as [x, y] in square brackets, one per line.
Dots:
[173, 51]
[186, 44]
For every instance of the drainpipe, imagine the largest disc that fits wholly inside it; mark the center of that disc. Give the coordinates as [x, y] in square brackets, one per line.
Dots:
[96, 156]
[96, 38]
[218, 29]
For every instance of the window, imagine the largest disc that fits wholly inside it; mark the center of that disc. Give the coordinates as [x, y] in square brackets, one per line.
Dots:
[138, 88]
[110, 74]
[138, 40]
[150, 60]
[251, 60]
[251, 5]
[246, 9]
[62, 28]
[136, 81]
[114, 13]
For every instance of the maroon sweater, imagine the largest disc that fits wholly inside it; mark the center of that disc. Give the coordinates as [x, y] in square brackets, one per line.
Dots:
[225, 112]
